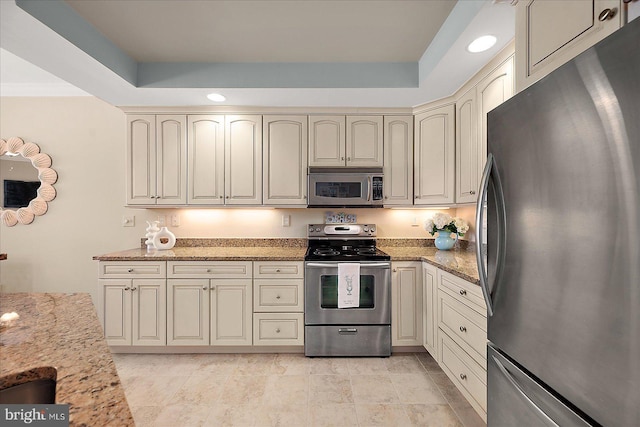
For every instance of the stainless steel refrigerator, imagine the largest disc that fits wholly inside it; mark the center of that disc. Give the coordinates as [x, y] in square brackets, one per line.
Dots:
[562, 279]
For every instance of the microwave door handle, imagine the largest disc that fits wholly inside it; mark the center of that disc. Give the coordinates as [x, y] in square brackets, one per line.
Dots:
[369, 188]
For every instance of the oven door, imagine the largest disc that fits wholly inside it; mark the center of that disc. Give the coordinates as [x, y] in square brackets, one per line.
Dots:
[321, 295]
[340, 189]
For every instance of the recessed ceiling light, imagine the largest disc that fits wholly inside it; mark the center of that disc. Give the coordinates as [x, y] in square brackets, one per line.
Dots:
[481, 44]
[216, 97]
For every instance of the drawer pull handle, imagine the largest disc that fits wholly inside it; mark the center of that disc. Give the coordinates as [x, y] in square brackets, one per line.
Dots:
[463, 376]
[127, 288]
[208, 270]
[277, 296]
[463, 292]
[130, 270]
[463, 329]
[277, 330]
[347, 331]
[277, 270]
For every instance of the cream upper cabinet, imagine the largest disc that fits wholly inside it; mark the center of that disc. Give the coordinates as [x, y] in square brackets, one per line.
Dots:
[493, 90]
[156, 160]
[406, 306]
[550, 33]
[430, 309]
[364, 141]
[243, 160]
[434, 160]
[398, 160]
[468, 151]
[285, 160]
[206, 160]
[346, 141]
[327, 141]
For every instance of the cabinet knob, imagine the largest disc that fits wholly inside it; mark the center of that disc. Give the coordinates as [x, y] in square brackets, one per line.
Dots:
[277, 330]
[277, 296]
[130, 270]
[277, 270]
[472, 192]
[208, 270]
[348, 159]
[133, 289]
[213, 288]
[221, 197]
[341, 158]
[607, 14]
[395, 269]
[386, 197]
[127, 288]
[226, 197]
[462, 292]
[204, 288]
[463, 376]
[417, 197]
[463, 329]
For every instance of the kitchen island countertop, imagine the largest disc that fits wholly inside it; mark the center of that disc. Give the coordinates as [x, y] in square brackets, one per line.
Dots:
[62, 331]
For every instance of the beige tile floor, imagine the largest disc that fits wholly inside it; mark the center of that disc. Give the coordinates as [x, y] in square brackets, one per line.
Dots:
[407, 389]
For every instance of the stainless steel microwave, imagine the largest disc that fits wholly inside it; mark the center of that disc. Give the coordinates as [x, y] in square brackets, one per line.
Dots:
[346, 187]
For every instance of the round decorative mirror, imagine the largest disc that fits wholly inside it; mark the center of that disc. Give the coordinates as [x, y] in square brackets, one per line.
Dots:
[26, 181]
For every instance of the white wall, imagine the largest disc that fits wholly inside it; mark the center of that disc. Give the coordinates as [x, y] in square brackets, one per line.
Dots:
[86, 139]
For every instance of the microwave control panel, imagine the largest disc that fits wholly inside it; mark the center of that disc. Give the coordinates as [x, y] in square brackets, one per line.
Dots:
[377, 188]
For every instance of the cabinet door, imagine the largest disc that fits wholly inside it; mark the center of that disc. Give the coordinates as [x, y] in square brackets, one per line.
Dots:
[171, 160]
[406, 308]
[434, 160]
[492, 91]
[430, 309]
[364, 141]
[243, 160]
[285, 160]
[141, 160]
[231, 315]
[550, 33]
[206, 160]
[117, 311]
[188, 312]
[326, 141]
[468, 150]
[149, 312]
[398, 160]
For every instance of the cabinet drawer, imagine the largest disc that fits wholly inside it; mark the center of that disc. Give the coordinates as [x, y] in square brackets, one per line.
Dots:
[278, 295]
[211, 269]
[279, 269]
[466, 374]
[278, 329]
[464, 325]
[464, 291]
[125, 269]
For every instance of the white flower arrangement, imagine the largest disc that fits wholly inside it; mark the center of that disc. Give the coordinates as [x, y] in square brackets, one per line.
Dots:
[444, 222]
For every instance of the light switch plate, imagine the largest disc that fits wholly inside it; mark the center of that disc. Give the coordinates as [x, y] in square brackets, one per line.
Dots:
[128, 220]
[175, 220]
[286, 220]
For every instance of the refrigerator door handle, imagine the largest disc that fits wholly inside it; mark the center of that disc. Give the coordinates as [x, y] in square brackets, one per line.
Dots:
[548, 421]
[482, 194]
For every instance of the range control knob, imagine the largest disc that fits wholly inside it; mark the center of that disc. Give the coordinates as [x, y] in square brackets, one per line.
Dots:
[311, 229]
[365, 228]
[373, 229]
[318, 229]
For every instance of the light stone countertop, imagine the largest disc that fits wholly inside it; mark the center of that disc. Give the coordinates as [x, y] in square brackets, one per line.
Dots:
[210, 253]
[62, 331]
[459, 262]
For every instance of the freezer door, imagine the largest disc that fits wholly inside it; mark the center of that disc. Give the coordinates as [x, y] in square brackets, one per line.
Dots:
[516, 399]
[564, 250]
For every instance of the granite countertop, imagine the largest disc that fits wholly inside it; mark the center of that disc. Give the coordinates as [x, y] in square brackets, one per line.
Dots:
[210, 253]
[459, 262]
[62, 331]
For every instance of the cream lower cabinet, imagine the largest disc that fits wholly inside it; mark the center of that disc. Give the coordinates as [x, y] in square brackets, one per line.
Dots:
[278, 303]
[134, 303]
[209, 303]
[434, 156]
[406, 303]
[462, 338]
[550, 33]
[430, 309]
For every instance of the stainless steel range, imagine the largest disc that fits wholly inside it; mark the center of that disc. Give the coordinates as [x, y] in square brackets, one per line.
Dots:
[363, 328]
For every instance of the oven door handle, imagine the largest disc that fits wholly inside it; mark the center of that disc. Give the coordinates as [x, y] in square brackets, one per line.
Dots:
[335, 265]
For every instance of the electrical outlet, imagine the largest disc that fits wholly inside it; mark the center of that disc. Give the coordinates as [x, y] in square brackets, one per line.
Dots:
[286, 220]
[128, 220]
[162, 221]
[414, 223]
[175, 220]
